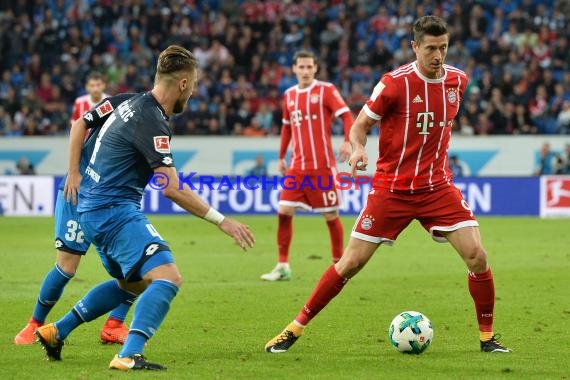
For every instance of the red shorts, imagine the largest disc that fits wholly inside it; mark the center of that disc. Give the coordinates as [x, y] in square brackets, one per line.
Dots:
[315, 190]
[386, 214]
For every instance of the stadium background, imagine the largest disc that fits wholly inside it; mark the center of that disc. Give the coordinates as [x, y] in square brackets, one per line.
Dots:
[516, 53]
[224, 315]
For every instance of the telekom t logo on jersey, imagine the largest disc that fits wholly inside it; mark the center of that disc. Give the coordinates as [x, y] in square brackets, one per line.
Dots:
[424, 120]
[297, 117]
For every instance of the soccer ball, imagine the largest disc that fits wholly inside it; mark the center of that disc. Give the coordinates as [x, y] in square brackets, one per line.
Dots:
[410, 332]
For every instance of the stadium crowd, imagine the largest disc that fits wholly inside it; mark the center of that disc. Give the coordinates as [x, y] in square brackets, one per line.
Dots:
[516, 53]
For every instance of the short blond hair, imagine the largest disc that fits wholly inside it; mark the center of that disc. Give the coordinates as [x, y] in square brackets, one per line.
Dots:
[174, 59]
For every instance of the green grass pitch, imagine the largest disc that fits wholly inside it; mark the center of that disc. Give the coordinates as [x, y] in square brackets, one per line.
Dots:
[223, 315]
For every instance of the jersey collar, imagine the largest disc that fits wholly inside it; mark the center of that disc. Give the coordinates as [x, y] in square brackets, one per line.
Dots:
[162, 111]
[426, 79]
[308, 88]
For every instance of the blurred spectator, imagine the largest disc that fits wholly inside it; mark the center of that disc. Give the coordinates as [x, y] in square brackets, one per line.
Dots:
[245, 50]
[259, 169]
[264, 117]
[563, 119]
[25, 167]
[455, 166]
[521, 121]
[254, 129]
[545, 160]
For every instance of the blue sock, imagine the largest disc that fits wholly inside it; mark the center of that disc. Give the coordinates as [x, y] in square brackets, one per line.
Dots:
[98, 301]
[50, 292]
[152, 307]
[120, 312]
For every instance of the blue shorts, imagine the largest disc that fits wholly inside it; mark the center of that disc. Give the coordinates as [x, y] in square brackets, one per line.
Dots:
[68, 234]
[128, 244]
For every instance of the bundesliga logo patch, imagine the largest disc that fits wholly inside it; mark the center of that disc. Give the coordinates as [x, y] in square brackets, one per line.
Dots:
[162, 144]
[104, 109]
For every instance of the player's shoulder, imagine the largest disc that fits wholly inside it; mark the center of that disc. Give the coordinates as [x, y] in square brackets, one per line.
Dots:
[401, 72]
[291, 90]
[454, 70]
[150, 108]
[82, 98]
[323, 83]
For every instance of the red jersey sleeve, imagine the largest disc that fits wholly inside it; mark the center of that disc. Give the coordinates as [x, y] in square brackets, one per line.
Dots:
[285, 129]
[338, 107]
[382, 99]
[334, 101]
[76, 112]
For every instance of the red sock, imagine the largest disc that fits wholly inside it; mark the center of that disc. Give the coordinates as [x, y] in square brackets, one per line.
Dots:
[336, 233]
[284, 236]
[330, 284]
[482, 290]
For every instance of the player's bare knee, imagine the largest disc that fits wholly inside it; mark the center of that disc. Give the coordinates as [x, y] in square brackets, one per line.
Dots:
[177, 280]
[172, 275]
[330, 216]
[68, 262]
[475, 258]
[349, 265]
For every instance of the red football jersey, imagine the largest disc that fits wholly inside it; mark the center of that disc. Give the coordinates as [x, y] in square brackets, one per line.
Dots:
[83, 104]
[308, 113]
[416, 117]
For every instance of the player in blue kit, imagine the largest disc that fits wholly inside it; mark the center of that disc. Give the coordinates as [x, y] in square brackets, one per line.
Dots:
[133, 146]
[71, 245]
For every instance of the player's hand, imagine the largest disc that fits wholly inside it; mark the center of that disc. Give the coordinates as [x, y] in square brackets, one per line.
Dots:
[358, 161]
[282, 166]
[239, 232]
[344, 151]
[71, 188]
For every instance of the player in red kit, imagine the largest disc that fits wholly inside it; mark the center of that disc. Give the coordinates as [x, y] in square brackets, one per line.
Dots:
[95, 87]
[415, 106]
[308, 110]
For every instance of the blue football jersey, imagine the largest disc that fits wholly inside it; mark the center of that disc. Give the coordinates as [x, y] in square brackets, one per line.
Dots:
[133, 141]
[94, 120]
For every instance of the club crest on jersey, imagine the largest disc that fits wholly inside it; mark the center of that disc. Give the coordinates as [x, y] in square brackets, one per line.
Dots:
[367, 222]
[104, 108]
[162, 144]
[451, 95]
[315, 98]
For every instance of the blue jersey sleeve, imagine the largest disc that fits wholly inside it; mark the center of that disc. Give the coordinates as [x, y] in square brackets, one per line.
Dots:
[99, 114]
[152, 140]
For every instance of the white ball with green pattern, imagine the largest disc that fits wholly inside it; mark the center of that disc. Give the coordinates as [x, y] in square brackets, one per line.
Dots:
[410, 332]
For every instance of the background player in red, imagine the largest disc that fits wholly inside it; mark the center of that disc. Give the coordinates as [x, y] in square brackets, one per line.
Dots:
[70, 242]
[95, 87]
[415, 105]
[308, 111]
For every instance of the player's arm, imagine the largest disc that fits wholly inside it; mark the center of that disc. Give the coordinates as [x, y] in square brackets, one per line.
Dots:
[345, 149]
[380, 102]
[75, 113]
[285, 134]
[91, 119]
[76, 138]
[191, 202]
[336, 103]
[358, 132]
[285, 140]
